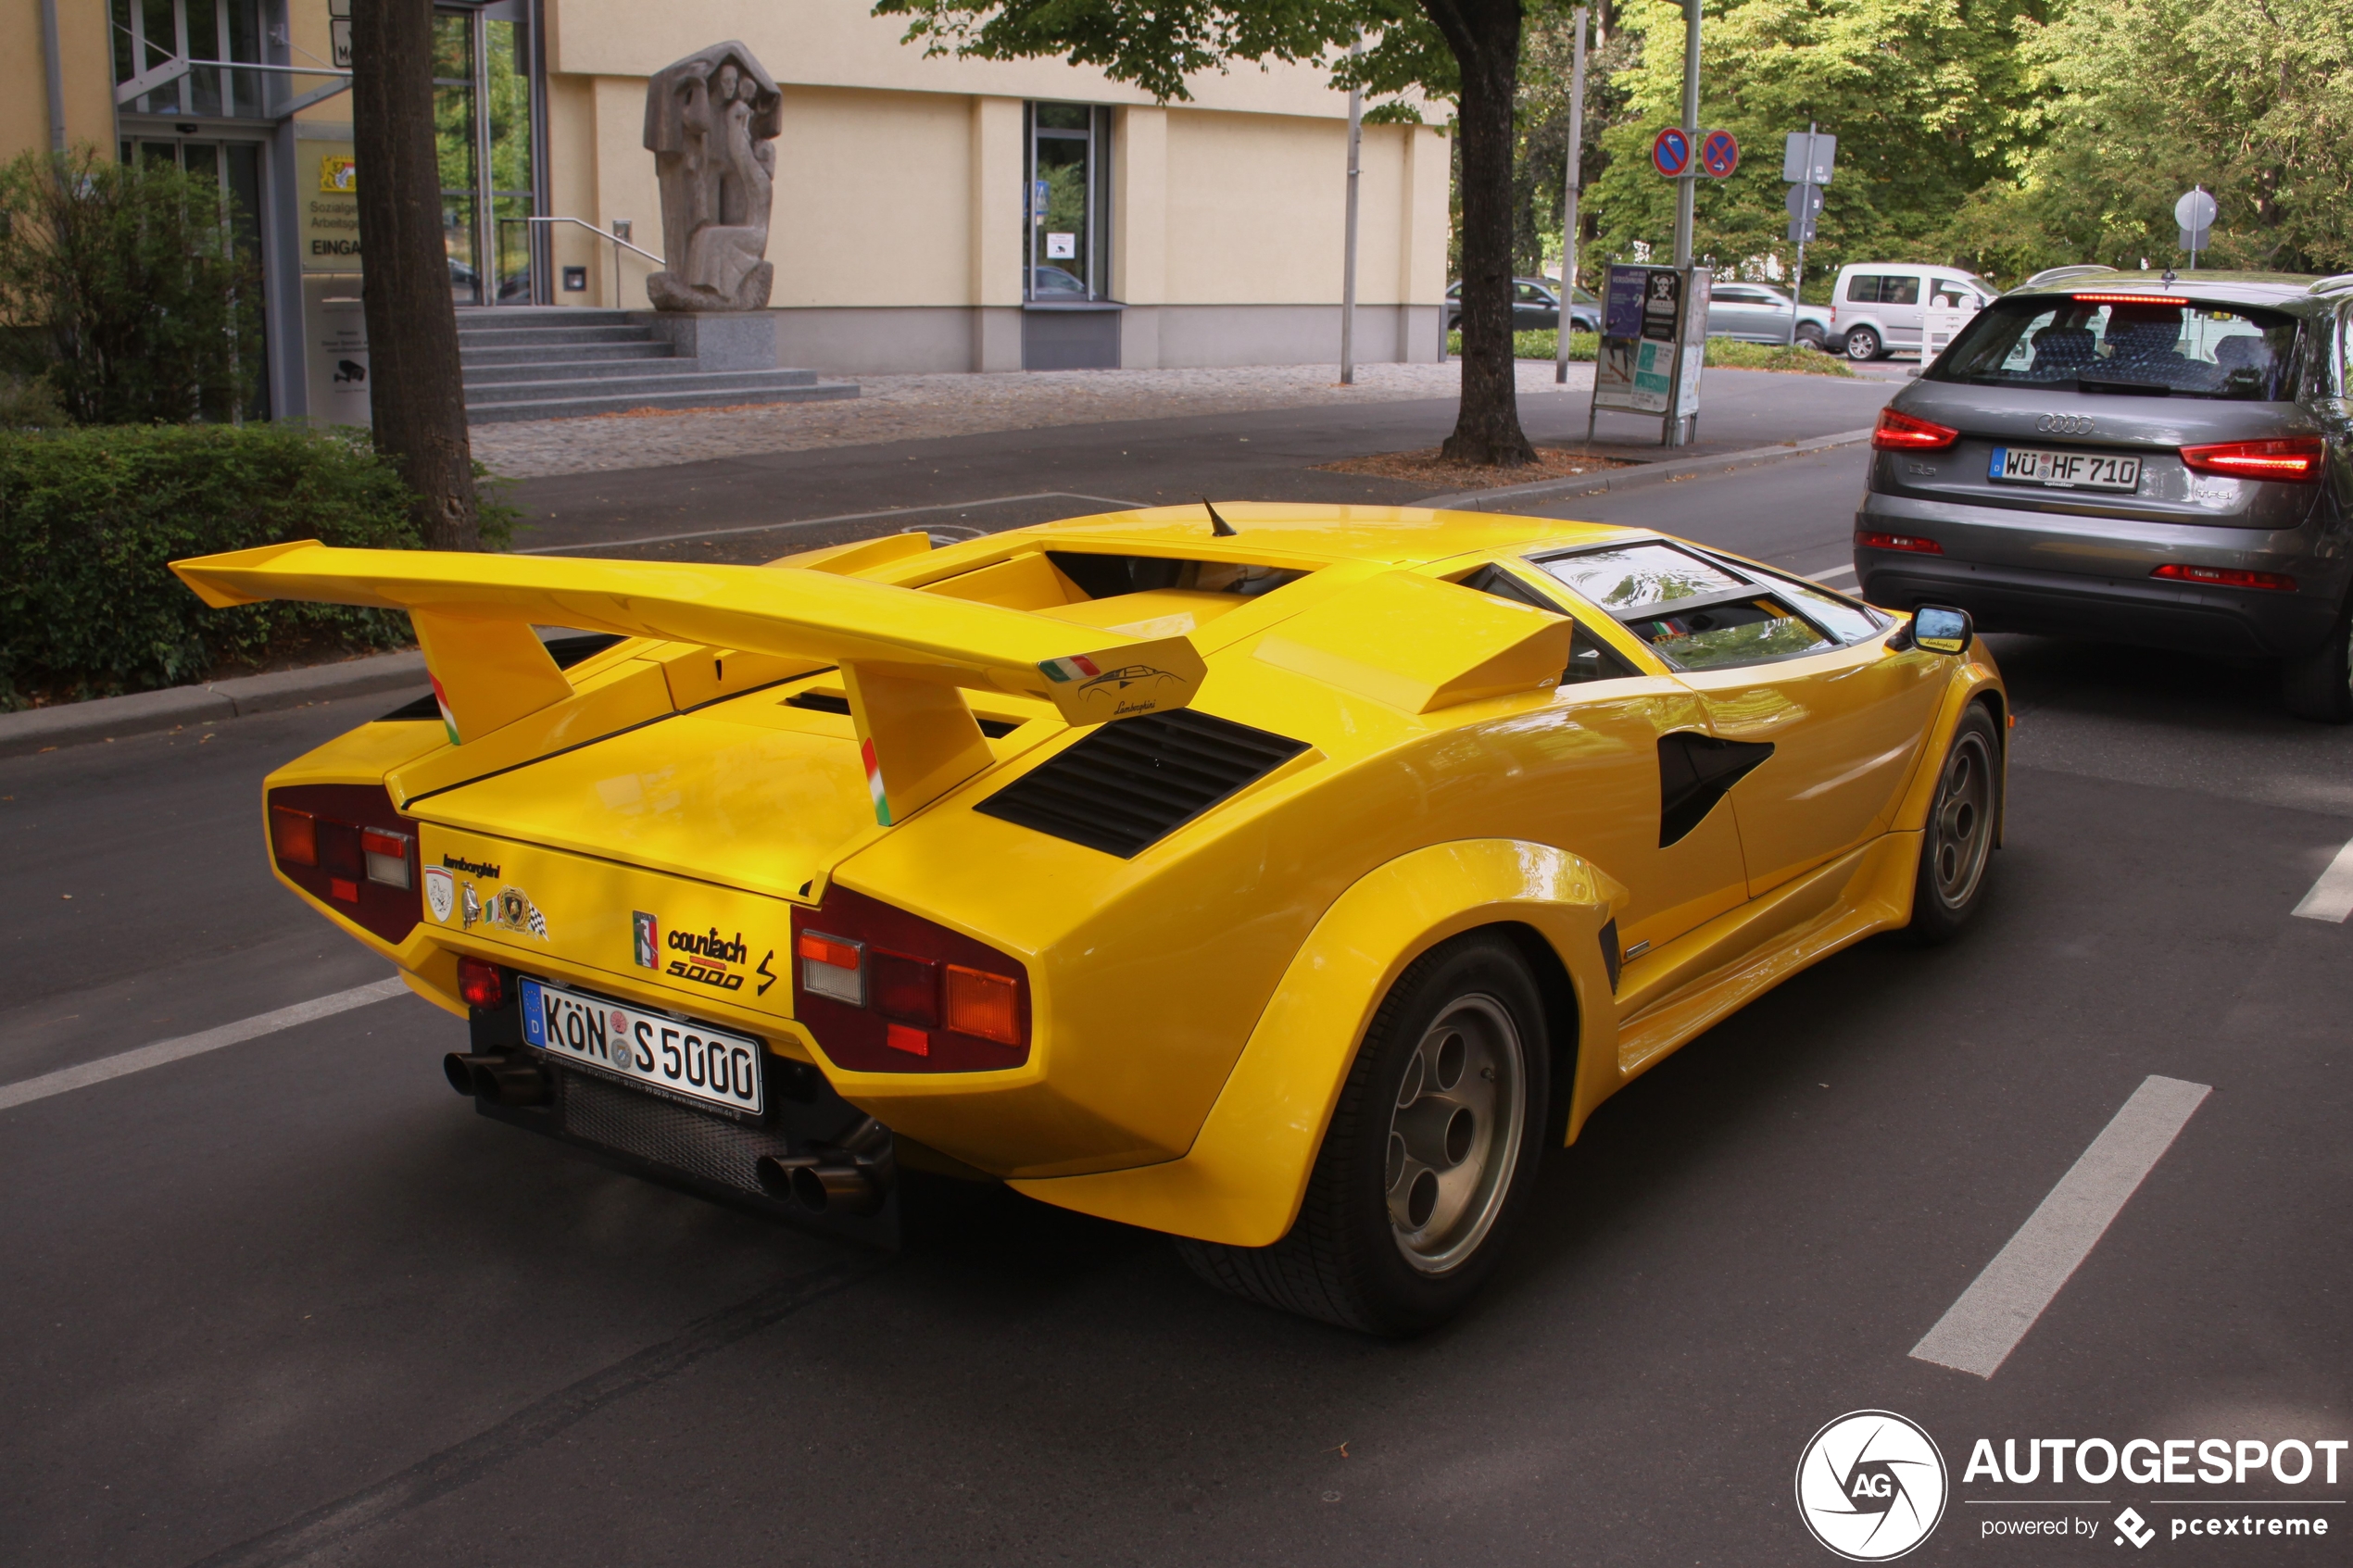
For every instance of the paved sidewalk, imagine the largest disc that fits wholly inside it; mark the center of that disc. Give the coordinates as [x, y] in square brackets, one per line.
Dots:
[920, 408]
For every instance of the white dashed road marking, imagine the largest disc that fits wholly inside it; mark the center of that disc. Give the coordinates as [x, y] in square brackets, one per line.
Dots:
[2331, 896]
[1977, 1334]
[1829, 572]
[29, 1090]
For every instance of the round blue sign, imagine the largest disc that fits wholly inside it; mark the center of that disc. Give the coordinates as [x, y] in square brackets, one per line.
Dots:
[1720, 153]
[1672, 153]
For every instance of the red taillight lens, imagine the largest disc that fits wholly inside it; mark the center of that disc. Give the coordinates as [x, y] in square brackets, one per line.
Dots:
[484, 984]
[984, 1004]
[887, 991]
[2120, 299]
[294, 837]
[1905, 432]
[349, 846]
[1911, 542]
[904, 987]
[2225, 577]
[2294, 459]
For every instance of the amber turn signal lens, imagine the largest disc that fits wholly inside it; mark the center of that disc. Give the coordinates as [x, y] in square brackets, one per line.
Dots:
[983, 1004]
[293, 835]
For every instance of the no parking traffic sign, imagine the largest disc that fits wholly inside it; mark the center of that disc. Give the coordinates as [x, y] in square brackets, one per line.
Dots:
[1720, 152]
[1671, 152]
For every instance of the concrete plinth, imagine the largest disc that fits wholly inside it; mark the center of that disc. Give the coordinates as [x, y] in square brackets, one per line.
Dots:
[716, 339]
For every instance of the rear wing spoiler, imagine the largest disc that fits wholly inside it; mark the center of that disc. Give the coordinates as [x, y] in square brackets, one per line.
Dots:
[905, 656]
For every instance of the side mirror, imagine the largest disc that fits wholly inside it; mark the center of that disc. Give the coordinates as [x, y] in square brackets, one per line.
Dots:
[1939, 629]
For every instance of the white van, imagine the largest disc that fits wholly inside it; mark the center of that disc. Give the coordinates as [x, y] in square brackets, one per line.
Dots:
[1879, 306]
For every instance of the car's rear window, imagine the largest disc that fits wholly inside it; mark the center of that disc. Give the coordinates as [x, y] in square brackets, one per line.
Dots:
[2108, 343]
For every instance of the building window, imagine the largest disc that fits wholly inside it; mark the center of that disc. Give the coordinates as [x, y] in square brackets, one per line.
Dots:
[482, 110]
[165, 44]
[1067, 204]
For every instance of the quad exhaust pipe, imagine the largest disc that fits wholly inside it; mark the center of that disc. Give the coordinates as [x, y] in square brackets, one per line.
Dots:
[852, 1177]
[501, 1079]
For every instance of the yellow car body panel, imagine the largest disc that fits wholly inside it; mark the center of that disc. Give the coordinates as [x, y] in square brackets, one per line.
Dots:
[840, 726]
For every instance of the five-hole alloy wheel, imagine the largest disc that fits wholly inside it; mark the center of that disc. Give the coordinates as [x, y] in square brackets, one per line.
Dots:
[1957, 839]
[1862, 343]
[1429, 1158]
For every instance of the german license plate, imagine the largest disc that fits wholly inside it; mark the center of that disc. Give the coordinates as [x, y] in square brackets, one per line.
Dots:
[2067, 471]
[692, 1060]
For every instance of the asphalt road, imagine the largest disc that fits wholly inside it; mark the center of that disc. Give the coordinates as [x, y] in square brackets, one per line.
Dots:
[291, 1301]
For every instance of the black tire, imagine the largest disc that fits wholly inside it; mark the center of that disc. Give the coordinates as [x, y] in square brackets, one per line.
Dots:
[1348, 1258]
[1810, 336]
[1957, 844]
[1863, 344]
[2319, 686]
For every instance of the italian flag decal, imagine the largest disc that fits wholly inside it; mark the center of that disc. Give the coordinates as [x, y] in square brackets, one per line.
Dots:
[1078, 669]
[873, 781]
[441, 698]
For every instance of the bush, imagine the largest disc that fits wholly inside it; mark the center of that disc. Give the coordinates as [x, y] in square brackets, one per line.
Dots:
[124, 287]
[91, 518]
[1739, 356]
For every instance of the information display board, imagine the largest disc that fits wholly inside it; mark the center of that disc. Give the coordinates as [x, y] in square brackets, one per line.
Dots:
[1654, 334]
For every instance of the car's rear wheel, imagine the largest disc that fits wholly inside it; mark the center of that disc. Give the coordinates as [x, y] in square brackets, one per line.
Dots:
[1862, 343]
[1809, 336]
[2320, 686]
[1958, 838]
[1428, 1159]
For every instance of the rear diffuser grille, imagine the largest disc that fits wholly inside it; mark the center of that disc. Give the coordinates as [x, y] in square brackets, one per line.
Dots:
[628, 1122]
[1134, 782]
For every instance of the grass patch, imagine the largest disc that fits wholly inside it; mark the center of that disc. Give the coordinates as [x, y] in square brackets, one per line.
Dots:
[1729, 352]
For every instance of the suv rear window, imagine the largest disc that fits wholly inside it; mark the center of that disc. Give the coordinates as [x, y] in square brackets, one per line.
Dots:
[2153, 347]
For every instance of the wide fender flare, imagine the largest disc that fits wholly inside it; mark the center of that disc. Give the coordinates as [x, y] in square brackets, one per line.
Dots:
[1243, 1179]
[1975, 680]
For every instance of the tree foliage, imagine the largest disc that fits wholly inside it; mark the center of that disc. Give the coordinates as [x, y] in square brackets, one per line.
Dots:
[124, 289]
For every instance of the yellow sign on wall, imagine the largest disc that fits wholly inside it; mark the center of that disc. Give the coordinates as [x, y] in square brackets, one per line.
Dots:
[331, 214]
[337, 175]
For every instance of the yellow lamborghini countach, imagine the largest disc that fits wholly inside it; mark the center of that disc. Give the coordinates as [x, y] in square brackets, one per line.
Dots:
[1284, 880]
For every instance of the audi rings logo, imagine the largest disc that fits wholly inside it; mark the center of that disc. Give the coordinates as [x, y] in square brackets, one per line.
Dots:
[2064, 424]
[1870, 1486]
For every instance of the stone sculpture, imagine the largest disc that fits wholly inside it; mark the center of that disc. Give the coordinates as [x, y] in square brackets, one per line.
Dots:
[711, 121]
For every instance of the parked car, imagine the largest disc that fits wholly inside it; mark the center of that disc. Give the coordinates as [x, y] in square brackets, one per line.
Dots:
[1536, 306]
[1056, 283]
[2110, 455]
[1878, 305]
[1285, 888]
[1755, 313]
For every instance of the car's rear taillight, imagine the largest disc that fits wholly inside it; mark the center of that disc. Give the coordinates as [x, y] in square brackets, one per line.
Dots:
[885, 991]
[2294, 459]
[348, 845]
[2225, 577]
[481, 984]
[1912, 541]
[1906, 433]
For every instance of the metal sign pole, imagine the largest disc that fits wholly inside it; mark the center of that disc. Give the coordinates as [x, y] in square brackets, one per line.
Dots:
[1348, 267]
[1805, 227]
[1569, 200]
[1688, 181]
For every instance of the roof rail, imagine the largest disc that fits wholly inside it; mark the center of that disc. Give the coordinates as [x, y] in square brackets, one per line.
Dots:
[2055, 274]
[2337, 283]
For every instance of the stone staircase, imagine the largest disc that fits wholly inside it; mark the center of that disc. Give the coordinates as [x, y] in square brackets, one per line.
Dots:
[548, 362]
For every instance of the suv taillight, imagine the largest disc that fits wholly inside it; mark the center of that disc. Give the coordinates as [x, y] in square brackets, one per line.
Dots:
[884, 991]
[1906, 433]
[347, 845]
[2294, 459]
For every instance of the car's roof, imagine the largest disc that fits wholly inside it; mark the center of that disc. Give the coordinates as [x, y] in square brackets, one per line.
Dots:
[1292, 530]
[2280, 291]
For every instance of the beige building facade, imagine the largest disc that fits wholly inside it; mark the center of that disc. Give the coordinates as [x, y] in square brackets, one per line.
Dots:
[930, 214]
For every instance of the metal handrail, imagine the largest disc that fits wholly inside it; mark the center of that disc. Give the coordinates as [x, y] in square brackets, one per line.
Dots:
[619, 244]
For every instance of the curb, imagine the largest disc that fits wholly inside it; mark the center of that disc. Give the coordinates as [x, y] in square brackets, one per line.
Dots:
[44, 729]
[1647, 474]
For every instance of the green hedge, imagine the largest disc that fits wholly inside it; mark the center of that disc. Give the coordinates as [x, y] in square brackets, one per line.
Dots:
[89, 519]
[1540, 344]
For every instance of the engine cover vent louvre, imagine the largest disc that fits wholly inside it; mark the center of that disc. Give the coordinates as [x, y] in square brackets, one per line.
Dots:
[1132, 782]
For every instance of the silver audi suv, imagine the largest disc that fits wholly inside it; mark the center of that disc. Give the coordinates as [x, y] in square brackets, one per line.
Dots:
[2137, 459]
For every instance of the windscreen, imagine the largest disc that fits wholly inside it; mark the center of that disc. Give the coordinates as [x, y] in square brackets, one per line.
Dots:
[2126, 344]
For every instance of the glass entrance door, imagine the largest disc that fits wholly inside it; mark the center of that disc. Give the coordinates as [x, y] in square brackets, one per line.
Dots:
[235, 166]
[482, 86]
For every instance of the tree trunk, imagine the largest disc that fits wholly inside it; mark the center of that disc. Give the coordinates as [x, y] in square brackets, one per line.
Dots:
[1484, 35]
[416, 400]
